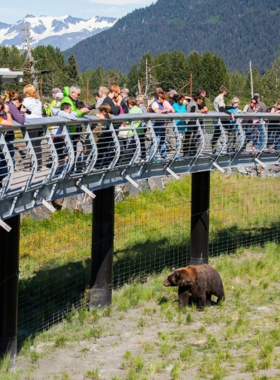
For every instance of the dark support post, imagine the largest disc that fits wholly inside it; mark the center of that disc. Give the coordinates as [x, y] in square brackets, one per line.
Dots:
[102, 248]
[9, 271]
[200, 217]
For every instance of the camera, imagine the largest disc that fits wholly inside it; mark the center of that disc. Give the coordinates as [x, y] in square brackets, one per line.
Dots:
[92, 107]
[27, 110]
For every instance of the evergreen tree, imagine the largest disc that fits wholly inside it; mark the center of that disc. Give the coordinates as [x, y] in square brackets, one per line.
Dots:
[13, 59]
[215, 73]
[236, 84]
[271, 84]
[73, 69]
[179, 75]
[111, 77]
[132, 80]
[196, 69]
[162, 70]
[221, 75]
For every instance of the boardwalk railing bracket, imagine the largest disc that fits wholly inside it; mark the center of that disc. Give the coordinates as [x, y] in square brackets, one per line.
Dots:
[129, 179]
[5, 225]
[87, 191]
[44, 202]
[172, 173]
[218, 167]
[260, 163]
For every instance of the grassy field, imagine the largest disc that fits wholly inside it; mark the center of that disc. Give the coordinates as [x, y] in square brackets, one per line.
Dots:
[144, 335]
[156, 218]
[151, 233]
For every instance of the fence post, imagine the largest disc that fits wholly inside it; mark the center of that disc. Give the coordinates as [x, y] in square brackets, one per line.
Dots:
[9, 271]
[102, 248]
[200, 217]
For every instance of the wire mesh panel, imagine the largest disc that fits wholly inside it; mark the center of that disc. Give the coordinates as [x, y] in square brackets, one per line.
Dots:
[54, 269]
[255, 131]
[244, 212]
[273, 138]
[152, 232]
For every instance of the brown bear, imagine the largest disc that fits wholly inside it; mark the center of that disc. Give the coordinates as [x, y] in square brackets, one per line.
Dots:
[200, 281]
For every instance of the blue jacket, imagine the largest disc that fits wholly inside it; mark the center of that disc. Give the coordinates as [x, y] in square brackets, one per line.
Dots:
[178, 108]
[233, 110]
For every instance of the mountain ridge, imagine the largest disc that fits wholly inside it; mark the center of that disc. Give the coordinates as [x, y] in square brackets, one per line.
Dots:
[62, 32]
[237, 31]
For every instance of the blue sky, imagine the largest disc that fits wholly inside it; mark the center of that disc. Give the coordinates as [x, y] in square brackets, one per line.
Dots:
[77, 8]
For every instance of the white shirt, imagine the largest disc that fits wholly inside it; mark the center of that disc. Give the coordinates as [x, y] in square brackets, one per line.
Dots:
[99, 102]
[219, 102]
[33, 105]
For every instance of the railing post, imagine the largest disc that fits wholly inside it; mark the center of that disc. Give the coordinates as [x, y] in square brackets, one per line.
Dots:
[9, 271]
[102, 248]
[200, 217]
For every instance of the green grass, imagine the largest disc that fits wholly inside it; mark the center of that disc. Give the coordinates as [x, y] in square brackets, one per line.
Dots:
[241, 335]
[152, 232]
[5, 372]
[155, 220]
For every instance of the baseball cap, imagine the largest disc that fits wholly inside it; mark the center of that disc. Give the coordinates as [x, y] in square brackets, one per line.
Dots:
[172, 92]
[59, 95]
[56, 90]
[257, 95]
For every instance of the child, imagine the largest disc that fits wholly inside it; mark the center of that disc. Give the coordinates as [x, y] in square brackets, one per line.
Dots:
[233, 128]
[104, 112]
[134, 108]
[65, 111]
[103, 137]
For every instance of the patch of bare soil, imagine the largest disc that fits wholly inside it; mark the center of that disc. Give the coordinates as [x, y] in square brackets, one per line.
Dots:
[158, 341]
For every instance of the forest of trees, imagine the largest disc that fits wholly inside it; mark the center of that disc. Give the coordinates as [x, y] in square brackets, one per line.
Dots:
[238, 31]
[167, 70]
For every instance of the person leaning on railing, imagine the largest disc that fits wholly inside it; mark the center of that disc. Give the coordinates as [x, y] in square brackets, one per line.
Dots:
[55, 103]
[5, 121]
[180, 107]
[103, 137]
[135, 109]
[274, 129]
[32, 107]
[159, 126]
[14, 103]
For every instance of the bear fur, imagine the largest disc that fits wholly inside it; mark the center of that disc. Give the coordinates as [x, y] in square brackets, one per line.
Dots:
[200, 281]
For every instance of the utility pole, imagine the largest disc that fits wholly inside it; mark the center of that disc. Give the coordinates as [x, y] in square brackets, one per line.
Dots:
[251, 76]
[87, 90]
[30, 58]
[147, 79]
[41, 88]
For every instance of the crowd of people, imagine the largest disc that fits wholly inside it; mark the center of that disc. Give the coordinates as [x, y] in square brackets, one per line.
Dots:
[116, 101]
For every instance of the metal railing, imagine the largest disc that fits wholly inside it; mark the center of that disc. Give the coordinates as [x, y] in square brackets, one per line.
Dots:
[51, 158]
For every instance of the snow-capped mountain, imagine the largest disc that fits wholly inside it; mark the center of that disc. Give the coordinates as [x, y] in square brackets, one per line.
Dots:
[62, 32]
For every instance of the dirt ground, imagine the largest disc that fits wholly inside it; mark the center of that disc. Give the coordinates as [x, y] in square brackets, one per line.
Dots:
[134, 331]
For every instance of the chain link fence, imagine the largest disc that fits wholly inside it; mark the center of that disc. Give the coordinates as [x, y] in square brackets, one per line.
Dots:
[152, 232]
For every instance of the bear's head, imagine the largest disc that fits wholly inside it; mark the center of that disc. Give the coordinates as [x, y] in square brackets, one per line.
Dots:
[179, 277]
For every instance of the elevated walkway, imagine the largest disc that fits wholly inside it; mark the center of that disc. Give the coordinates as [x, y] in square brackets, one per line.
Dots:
[49, 159]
